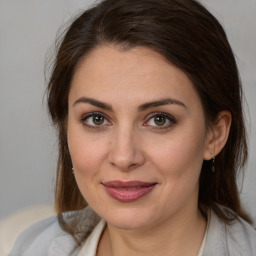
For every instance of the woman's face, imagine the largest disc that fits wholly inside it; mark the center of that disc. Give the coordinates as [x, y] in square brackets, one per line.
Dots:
[137, 137]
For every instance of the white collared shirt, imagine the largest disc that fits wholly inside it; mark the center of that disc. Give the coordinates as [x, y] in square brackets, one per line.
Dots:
[46, 238]
[90, 246]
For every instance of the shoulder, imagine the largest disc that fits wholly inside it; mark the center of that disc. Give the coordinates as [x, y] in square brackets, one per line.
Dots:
[38, 238]
[46, 237]
[241, 237]
[13, 225]
[237, 238]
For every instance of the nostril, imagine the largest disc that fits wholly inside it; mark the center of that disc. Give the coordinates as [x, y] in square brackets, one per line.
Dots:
[125, 154]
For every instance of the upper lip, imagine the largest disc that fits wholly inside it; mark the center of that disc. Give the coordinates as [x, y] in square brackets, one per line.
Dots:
[127, 184]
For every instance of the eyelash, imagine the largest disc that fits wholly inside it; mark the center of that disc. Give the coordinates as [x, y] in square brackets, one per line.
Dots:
[168, 117]
[93, 114]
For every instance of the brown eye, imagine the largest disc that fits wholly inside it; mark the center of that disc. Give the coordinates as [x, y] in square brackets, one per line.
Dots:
[95, 120]
[98, 119]
[160, 120]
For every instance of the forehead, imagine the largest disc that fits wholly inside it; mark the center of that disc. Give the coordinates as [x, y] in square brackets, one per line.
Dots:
[110, 73]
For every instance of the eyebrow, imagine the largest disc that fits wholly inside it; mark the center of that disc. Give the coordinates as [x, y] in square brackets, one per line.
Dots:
[143, 107]
[162, 102]
[94, 103]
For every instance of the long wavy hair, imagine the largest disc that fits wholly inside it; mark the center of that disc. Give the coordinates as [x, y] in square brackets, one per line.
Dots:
[187, 35]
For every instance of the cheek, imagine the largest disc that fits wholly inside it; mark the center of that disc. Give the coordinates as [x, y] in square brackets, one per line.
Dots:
[86, 152]
[87, 157]
[178, 163]
[181, 154]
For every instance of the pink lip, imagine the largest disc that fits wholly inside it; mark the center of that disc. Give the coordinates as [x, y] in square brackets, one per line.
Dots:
[128, 191]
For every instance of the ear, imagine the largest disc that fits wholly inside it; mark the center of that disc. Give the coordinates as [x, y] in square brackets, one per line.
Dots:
[217, 135]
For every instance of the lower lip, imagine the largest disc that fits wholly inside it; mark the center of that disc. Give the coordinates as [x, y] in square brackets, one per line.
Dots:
[128, 194]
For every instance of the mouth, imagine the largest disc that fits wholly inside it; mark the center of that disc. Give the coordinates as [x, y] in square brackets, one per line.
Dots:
[128, 191]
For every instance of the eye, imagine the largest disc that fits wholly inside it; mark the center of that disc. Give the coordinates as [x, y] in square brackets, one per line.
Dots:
[95, 120]
[160, 120]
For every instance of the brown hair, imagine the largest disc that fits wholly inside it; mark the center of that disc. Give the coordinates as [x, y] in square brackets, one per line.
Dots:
[188, 36]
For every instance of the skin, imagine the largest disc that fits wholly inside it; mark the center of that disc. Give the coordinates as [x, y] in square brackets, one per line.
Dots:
[128, 144]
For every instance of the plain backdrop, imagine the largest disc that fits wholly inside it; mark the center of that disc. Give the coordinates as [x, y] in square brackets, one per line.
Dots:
[28, 146]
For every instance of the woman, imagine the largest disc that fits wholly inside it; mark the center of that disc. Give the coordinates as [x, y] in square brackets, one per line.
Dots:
[146, 98]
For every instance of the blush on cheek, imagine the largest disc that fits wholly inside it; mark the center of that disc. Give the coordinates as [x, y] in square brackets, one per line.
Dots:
[178, 160]
[84, 163]
[81, 150]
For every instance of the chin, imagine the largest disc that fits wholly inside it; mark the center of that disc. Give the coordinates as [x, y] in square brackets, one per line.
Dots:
[129, 219]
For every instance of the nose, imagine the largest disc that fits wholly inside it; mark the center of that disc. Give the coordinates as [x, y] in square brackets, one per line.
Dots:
[126, 150]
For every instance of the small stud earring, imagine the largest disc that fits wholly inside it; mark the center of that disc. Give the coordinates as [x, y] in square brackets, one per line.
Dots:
[213, 165]
[72, 170]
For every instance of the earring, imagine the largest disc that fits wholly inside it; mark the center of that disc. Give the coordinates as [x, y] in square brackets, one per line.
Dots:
[213, 165]
[72, 170]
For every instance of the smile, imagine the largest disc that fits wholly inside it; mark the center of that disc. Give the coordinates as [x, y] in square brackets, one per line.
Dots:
[128, 191]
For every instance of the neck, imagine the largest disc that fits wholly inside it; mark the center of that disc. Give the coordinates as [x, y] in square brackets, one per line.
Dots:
[178, 236]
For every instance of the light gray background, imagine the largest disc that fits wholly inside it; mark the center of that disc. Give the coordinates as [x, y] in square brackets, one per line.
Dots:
[27, 141]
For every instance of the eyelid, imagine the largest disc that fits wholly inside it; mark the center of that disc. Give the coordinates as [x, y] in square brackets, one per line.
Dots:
[84, 116]
[91, 114]
[169, 117]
